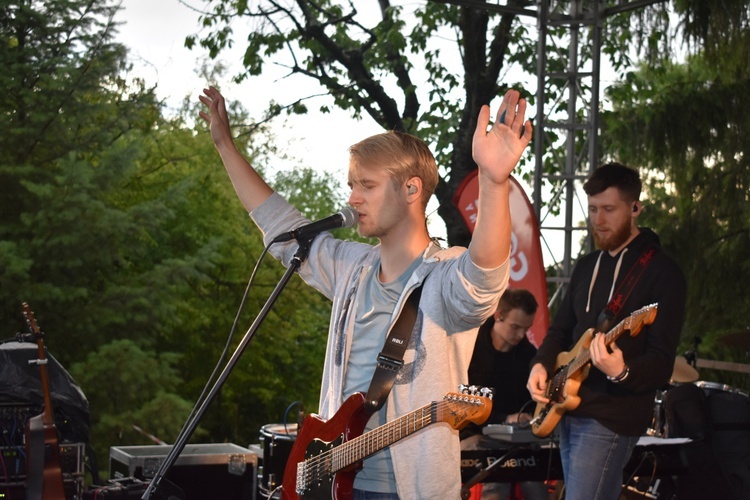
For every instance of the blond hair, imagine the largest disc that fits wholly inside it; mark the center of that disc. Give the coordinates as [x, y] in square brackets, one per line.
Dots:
[402, 155]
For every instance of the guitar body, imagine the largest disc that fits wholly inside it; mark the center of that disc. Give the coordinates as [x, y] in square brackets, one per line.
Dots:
[317, 436]
[43, 454]
[563, 397]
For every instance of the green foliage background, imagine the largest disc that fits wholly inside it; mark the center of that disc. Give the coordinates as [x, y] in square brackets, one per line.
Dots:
[120, 229]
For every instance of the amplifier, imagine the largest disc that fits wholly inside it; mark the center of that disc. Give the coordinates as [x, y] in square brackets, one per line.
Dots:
[13, 478]
[72, 457]
[13, 418]
[210, 470]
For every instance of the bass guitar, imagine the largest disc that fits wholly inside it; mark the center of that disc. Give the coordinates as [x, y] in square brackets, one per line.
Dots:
[44, 474]
[572, 368]
[327, 454]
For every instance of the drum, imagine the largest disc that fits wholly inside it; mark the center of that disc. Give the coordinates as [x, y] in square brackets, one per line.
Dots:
[729, 413]
[277, 441]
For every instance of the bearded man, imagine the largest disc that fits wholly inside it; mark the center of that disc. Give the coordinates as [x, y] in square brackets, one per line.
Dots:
[629, 271]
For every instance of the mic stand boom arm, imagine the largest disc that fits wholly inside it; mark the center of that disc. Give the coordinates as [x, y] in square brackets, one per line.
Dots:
[187, 430]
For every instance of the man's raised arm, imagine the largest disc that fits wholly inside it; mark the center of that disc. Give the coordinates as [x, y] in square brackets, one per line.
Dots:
[249, 186]
[496, 152]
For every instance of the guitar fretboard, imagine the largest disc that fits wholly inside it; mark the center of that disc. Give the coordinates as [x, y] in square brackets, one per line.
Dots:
[323, 463]
[365, 445]
[633, 322]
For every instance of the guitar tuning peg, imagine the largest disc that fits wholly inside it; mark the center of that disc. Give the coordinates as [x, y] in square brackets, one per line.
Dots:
[462, 388]
[486, 392]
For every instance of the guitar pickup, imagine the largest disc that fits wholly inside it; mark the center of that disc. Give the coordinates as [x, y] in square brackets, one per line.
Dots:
[389, 363]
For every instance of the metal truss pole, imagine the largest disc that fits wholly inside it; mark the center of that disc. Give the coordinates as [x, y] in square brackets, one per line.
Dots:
[577, 127]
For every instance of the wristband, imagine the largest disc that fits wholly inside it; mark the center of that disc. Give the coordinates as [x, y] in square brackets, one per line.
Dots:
[622, 376]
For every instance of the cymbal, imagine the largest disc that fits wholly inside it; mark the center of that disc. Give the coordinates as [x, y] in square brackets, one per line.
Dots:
[736, 339]
[683, 372]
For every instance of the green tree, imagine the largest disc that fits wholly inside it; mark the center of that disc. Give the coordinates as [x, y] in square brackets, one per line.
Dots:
[390, 62]
[423, 68]
[131, 389]
[61, 152]
[120, 228]
[681, 124]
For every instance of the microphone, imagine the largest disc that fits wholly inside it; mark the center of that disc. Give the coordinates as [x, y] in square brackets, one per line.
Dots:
[347, 217]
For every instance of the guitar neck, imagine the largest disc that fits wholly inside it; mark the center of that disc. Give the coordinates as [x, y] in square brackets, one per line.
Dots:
[48, 416]
[585, 355]
[41, 361]
[363, 446]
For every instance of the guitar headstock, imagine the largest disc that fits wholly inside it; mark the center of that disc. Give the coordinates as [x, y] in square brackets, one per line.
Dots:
[36, 334]
[472, 404]
[29, 315]
[643, 316]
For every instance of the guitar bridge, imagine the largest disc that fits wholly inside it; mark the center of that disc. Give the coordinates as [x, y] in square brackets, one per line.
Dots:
[301, 478]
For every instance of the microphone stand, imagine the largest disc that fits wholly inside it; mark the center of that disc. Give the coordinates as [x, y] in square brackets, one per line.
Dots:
[296, 261]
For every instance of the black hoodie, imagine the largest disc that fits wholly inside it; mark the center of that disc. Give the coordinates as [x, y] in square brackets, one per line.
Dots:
[625, 408]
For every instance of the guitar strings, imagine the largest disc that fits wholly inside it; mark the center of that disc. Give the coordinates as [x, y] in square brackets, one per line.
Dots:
[358, 448]
[355, 449]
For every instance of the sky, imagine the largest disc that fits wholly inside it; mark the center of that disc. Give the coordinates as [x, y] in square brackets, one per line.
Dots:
[154, 32]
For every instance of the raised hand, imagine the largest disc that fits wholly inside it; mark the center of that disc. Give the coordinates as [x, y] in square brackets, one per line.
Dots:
[216, 116]
[497, 150]
[250, 187]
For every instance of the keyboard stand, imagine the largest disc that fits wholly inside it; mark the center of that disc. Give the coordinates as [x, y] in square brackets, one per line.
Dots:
[483, 473]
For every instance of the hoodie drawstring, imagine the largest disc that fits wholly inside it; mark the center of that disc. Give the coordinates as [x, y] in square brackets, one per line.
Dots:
[596, 273]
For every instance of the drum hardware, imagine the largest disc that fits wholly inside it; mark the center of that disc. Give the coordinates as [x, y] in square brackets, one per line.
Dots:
[711, 388]
[658, 427]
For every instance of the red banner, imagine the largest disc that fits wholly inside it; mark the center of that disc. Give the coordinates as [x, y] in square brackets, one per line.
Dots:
[526, 262]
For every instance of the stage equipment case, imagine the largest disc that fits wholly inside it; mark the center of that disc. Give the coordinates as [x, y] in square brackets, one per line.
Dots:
[212, 470]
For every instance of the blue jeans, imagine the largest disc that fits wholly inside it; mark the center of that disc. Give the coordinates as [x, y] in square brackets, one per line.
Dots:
[373, 495]
[592, 458]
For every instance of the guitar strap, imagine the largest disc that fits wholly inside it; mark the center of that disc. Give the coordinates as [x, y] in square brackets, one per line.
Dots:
[609, 316]
[391, 358]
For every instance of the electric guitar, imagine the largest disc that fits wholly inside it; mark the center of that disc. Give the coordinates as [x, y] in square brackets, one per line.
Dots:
[44, 476]
[572, 368]
[327, 454]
